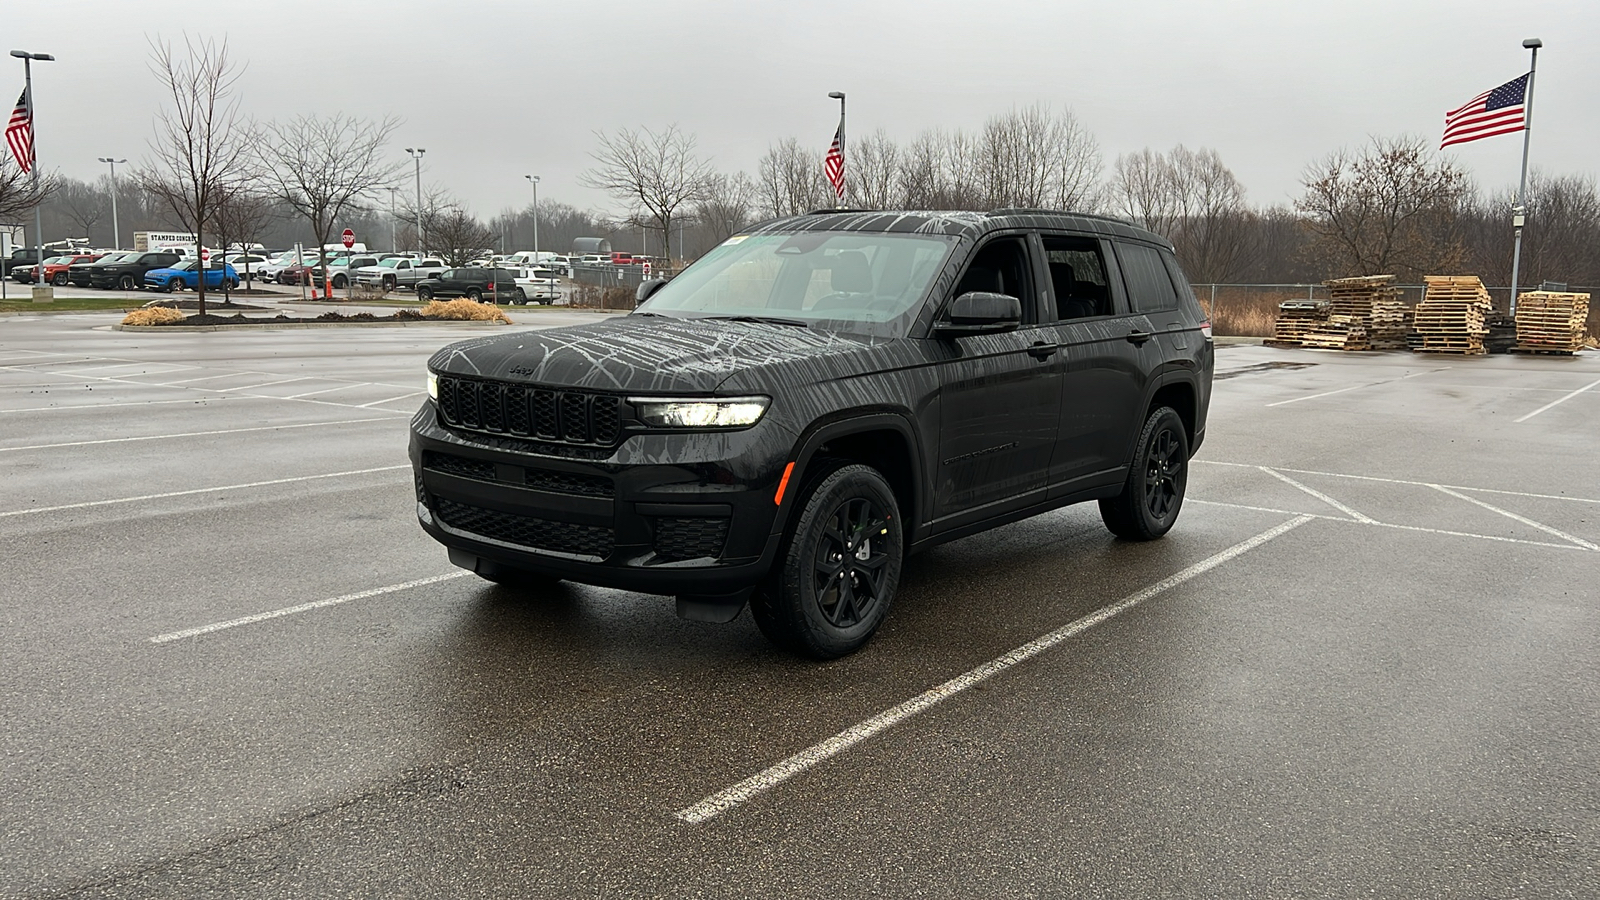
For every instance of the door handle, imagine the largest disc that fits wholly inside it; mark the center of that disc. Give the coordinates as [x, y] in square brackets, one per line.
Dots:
[1139, 337]
[1042, 351]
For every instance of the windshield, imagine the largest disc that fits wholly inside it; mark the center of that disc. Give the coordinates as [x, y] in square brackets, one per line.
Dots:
[390, 263]
[119, 257]
[184, 266]
[845, 281]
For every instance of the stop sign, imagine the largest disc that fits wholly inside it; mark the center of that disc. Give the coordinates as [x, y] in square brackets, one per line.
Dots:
[205, 254]
[349, 238]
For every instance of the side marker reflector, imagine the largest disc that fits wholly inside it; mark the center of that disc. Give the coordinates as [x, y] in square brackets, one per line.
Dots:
[783, 483]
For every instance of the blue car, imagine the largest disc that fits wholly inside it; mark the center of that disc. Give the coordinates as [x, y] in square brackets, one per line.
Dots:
[185, 275]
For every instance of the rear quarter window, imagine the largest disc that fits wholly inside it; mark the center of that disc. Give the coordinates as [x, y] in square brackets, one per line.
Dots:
[1149, 286]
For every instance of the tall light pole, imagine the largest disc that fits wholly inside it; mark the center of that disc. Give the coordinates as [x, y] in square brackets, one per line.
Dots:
[33, 126]
[1519, 213]
[394, 235]
[839, 96]
[417, 155]
[534, 180]
[116, 234]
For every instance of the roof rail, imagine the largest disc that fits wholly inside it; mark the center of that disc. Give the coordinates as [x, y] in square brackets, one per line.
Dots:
[1028, 211]
[836, 209]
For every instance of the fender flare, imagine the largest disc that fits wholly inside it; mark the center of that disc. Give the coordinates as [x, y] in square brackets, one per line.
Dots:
[844, 424]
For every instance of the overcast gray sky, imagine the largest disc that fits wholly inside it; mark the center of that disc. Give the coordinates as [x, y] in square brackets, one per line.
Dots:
[496, 90]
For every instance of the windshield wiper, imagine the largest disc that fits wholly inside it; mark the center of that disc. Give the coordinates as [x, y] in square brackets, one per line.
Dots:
[769, 320]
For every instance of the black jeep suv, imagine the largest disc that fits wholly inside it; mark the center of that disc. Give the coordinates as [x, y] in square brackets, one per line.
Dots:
[784, 421]
[127, 272]
[472, 283]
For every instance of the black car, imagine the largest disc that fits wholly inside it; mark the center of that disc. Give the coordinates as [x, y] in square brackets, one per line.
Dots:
[127, 272]
[473, 283]
[785, 420]
[22, 256]
[82, 274]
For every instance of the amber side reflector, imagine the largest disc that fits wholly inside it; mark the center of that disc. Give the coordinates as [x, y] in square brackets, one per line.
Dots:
[783, 483]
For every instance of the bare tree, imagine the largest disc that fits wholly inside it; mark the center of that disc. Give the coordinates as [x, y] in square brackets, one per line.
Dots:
[874, 171]
[455, 233]
[1561, 241]
[321, 168]
[18, 193]
[240, 217]
[727, 207]
[791, 180]
[1387, 210]
[657, 174]
[84, 204]
[1193, 199]
[201, 148]
[1036, 157]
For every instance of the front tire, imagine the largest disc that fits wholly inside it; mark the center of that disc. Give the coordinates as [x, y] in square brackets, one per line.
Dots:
[1152, 496]
[839, 569]
[60, 279]
[126, 283]
[424, 294]
[339, 281]
[389, 282]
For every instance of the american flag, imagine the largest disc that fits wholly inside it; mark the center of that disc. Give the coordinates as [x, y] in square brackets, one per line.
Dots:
[1499, 111]
[19, 133]
[833, 163]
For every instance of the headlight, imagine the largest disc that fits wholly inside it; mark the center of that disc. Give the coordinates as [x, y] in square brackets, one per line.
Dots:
[733, 412]
[433, 384]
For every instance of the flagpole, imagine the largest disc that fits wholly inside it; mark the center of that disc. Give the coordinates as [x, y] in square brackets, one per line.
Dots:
[843, 160]
[1519, 214]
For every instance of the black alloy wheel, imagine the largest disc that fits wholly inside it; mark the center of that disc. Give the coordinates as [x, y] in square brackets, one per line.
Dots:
[839, 569]
[518, 297]
[1152, 495]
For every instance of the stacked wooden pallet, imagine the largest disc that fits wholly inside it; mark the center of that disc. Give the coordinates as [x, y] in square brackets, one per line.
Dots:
[1451, 316]
[1551, 322]
[1295, 318]
[1372, 301]
[1337, 333]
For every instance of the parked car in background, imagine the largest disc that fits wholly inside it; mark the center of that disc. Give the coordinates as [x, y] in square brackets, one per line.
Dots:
[339, 271]
[248, 264]
[538, 285]
[186, 275]
[127, 273]
[310, 274]
[398, 272]
[473, 283]
[22, 256]
[55, 268]
[81, 274]
[273, 268]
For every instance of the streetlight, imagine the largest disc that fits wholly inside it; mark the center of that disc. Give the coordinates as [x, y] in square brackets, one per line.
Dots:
[394, 236]
[417, 155]
[33, 127]
[1520, 211]
[116, 234]
[534, 180]
[839, 96]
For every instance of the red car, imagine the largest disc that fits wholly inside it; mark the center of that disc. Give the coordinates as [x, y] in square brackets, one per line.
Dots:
[55, 268]
[298, 274]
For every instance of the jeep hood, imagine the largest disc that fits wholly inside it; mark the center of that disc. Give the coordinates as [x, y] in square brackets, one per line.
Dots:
[644, 354]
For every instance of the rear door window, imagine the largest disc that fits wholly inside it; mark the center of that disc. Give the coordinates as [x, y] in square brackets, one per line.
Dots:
[1079, 280]
[1149, 286]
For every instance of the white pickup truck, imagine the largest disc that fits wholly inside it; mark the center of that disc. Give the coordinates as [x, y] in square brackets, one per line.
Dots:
[398, 272]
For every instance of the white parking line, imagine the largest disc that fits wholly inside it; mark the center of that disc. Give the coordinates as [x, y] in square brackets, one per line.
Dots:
[304, 607]
[728, 798]
[1319, 495]
[1439, 531]
[251, 387]
[1459, 487]
[187, 434]
[390, 400]
[1513, 516]
[209, 490]
[1355, 387]
[1558, 400]
[126, 403]
[342, 387]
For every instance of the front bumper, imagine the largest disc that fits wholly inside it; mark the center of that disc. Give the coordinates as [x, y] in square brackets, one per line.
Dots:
[687, 514]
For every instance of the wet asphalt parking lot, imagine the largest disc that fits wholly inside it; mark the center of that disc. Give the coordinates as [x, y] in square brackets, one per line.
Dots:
[1363, 664]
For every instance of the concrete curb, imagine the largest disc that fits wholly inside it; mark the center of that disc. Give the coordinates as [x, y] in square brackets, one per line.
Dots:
[121, 311]
[282, 326]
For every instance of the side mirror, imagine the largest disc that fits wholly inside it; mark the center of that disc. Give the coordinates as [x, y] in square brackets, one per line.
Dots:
[980, 312]
[647, 289]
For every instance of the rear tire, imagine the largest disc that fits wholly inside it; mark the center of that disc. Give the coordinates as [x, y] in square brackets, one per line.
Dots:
[839, 568]
[519, 298]
[1152, 496]
[475, 295]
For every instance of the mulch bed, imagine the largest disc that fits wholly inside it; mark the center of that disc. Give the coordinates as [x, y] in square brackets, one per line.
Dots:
[210, 304]
[404, 315]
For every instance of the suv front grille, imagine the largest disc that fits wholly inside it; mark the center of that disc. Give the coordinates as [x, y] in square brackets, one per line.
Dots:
[689, 538]
[527, 531]
[458, 465]
[492, 407]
